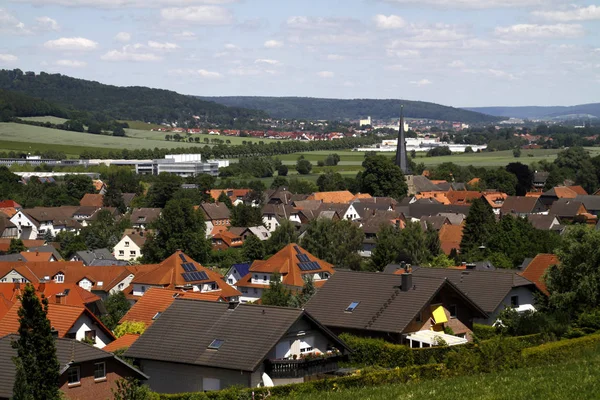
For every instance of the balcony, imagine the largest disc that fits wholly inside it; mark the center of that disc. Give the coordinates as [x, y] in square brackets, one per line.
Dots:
[302, 367]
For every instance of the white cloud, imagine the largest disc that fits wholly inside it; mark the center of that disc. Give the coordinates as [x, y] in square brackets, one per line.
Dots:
[335, 57]
[540, 31]
[231, 46]
[403, 53]
[162, 46]
[422, 82]
[318, 23]
[266, 61]
[8, 58]
[273, 44]
[199, 15]
[70, 63]
[47, 24]
[245, 71]
[395, 67]
[493, 73]
[185, 35]
[11, 25]
[325, 74]
[123, 37]
[589, 13]
[388, 22]
[457, 64]
[71, 44]
[201, 73]
[473, 4]
[126, 3]
[130, 53]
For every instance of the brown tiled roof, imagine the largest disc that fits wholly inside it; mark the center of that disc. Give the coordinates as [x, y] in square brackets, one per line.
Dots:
[450, 237]
[59, 215]
[37, 256]
[519, 204]
[229, 238]
[562, 192]
[383, 306]
[439, 196]
[5, 305]
[462, 197]
[249, 333]
[286, 263]
[144, 215]
[169, 274]
[567, 208]
[92, 200]
[137, 236]
[215, 211]
[9, 203]
[435, 222]
[158, 300]
[8, 211]
[342, 196]
[537, 268]
[540, 221]
[373, 221]
[495, 199]
[128, 198]
[578, 189]
[124, 342]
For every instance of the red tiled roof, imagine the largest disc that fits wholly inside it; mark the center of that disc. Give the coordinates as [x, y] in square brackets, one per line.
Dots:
[537, 268]
[9, 204]
[123, 342]
[450, 237]
[90, 199]
[158, 300]
[578, 189]
[37, 256]
[76, 296]
[8, 211]
[5, 244]
[462, 197]
[342, 196]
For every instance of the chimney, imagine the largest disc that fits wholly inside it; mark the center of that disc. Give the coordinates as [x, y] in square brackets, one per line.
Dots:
[42, 287]
[54, 333]
[471, 266]
[233, 305]
[406, 283]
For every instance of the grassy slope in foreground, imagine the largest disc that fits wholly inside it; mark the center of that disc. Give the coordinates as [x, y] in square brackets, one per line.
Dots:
[577, 379]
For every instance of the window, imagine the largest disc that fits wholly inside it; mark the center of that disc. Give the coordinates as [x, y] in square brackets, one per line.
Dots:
[255, 277]
[306, 349]
[265, 278]
[60, 278]
[244, 290]
[132, 253]
[73, 375]
[216, 344]
[121, 286]
[452, 310]
[352, 306]
[514, 301]
[143, 289]
[100, 370]
[91, 336]
[126, 244]
[156, 316]
[419, 317]
[230, 281]
[121, 252]
[71, 335]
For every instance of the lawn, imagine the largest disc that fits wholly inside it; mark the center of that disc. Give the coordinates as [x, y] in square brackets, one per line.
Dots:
[577, 379]
[46, 118]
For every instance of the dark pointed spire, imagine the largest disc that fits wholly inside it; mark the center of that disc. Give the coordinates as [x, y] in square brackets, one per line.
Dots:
[401, 158]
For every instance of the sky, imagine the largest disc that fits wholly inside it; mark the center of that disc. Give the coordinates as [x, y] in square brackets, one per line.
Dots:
[458, 53]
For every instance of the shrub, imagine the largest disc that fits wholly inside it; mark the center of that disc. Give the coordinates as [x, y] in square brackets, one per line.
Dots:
[370, 352]
[484, 332]
[589, 319]
[561, 350]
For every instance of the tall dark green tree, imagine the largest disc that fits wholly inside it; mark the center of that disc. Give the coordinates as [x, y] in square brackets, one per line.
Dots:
[303, 166]
[524, 177]
[299, 299]
[78, 185]
[386, 248]
[501, 180]
[336, 242]
[245, 215]
[331, 181]
[16, 246]
[37, 365]
[117, 306]
[277, 294]
[432, 241]
[381, 177]
[285, 234]
[70, 242]
[179, 227]
[162, 190]
[114, 198]
[479, 227]
[223, 198]
[104, 232]
[253, 248]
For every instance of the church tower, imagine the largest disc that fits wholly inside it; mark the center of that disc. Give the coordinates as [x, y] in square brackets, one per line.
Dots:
[401, 158]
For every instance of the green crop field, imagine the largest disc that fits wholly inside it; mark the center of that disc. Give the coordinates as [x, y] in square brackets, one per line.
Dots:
[46, 118]
[573, 380]
[142, 126]
[160, 136]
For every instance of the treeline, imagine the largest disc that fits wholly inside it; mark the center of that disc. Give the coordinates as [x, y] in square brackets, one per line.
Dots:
[114, 128]
[338, 109]
[14, 104]
[123, 103]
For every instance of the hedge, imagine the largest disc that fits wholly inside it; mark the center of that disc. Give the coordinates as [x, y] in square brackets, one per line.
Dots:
[561, 350]
[359, 380]
[484, 332]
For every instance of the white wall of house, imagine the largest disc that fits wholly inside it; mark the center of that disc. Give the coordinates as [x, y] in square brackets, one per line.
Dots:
[250, 295]
[295, 217]
[13, 276]
[27, 229]
[84, 324]
[261, 278]
[232, 276]
[85, 284]
[127, 250]
[270, 222]
[524, 295]
[299, 340]
[209, 227]
[139, 289]
[351, 214]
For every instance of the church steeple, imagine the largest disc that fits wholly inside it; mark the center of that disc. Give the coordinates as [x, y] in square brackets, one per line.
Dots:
[401, 158]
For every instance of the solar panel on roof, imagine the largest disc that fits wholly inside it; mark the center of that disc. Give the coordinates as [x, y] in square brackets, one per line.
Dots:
[309, 266]
[189, 267]
[303, 257]
[297, 249]
[182, 257]
[195, 276]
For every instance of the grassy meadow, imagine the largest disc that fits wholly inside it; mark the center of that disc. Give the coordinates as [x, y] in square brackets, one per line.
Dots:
[576, 379]
[47, 118]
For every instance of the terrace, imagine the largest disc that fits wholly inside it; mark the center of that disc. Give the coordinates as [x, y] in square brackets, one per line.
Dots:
[300, 368]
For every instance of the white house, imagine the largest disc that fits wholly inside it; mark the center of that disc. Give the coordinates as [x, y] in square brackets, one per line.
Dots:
[27, 226]
[130, 246]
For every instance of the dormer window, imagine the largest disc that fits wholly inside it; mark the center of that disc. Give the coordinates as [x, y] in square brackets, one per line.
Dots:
[352, 306]
[59, 278]
[156, 316]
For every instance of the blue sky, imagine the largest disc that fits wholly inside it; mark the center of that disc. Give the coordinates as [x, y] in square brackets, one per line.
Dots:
[459, 53]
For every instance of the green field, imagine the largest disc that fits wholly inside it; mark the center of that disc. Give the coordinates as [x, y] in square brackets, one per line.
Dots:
[46, 118]
[576, 379]
[142, 126]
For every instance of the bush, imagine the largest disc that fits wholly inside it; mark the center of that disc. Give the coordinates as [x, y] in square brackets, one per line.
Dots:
[590, 320]
[484, 332]
[377, 352]
[561, 350]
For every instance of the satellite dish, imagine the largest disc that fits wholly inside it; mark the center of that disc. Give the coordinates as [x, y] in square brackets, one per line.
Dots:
[267, 381]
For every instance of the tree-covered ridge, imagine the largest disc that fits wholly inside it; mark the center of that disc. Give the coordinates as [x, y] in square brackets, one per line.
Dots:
[13, 104]
[339, 109]
[128, 103]
[542, 112]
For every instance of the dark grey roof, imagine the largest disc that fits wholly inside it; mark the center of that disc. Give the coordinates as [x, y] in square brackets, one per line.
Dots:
[540, 221]
[90, 256]
[144, 215]
[525, 263]
[383, 307]
[215, 211]
[486, 288]
[128, 198]
[363, 209]
[454, 218]
[420, 209]
[541, 177]
[459, 186]
[591, 203]
[565, 208]
[434, 221]
[422, 184]
[67, 351]
[373, 222]
[12, 257]
[184, 331]
[519, 204]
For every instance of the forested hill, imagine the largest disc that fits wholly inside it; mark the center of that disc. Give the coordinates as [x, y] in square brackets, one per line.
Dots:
[338, 109]
[13, 104]
[128, 103]
[535, 112]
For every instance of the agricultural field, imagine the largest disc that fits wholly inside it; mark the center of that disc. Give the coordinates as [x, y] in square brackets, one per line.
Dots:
[46, 118]
[160, 136]
[573, 380]
[142, 126]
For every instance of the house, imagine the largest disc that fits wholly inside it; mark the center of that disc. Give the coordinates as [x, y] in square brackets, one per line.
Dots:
[99, 186]
[434, 222]
[536, 269]
[86, 214]
[272, 214]
[49, 256]
[293, 264]
[591, 203]
[218, 345]
[235, 195]
[491, 290]
[560, 192]
[35, 222]
[130, 246]
[122, 343]
[450, 238]
[539, 180]
[142, 217]
[259, 231]
[372, 223]
[156, 300]
[180, 272]
[237, 272]
[226, 240]
[521, 206]
[419, 183]
[95, 258]
[438, 196]
[215, 215]
[547, 222]
[567, 209]
[92, 200]
[86, 372]
[67, 321]
[8, 230]
[407, 308]
[495, 200]
[462, 197]
[342, 196]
